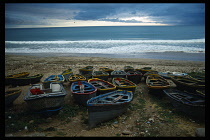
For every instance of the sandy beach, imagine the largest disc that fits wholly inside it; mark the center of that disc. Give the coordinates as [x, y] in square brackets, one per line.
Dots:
[56, 65]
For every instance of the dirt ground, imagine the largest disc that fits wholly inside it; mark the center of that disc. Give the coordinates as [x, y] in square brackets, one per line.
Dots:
[147, 115]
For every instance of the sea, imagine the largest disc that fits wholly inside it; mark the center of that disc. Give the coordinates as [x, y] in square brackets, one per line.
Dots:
[153, 42]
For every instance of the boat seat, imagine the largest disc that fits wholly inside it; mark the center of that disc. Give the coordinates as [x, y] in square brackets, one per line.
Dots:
[55, 87]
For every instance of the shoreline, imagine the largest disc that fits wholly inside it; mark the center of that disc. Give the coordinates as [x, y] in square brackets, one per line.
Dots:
[182, 56]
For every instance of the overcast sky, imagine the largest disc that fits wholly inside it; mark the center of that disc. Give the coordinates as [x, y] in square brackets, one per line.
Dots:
[23, 15]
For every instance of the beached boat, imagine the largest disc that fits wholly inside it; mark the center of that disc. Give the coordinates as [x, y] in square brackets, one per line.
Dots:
[107, 106]
[188, 84]
[26, 80]
[86, 70]
[102, 85]
[124, 84]
[128, 68]
[134, 76]
[118, 73]
[156, 84]
[83, 91]
[106, 69]
[11, 95]
[53, 78]
[76, 77]
[43, 99]
[101, 75]
[66, 74]
[144, 69]
[200, 76]
[8, 78]
[153, 72]
[169, 74]
[192, 105]
[201, 92]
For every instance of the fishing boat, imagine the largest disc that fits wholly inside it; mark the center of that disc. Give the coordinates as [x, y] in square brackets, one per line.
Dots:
[152, 72]
[26, 80]
[124, 84]
[128, 68]
[169, 74]
[102, 85]
[76, 77]
[11, 95]
[107, 106]
[156, 84]
[134, 76]
[66, 74]
[144, 69]
[53, 78]
[101, 75]
[106, 69]
[188, 84]
[83, 91]
[118, 73]
[201, 92]
[86, 70]
[192, 105]
[18, 75]
[41, 99]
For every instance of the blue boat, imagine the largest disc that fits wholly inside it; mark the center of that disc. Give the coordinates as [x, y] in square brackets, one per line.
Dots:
[53, 78]
[83, 91]
[107, 106]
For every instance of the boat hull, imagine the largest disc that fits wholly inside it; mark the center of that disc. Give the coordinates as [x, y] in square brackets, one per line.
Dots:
[11, 96]
[81, 97]
[130, 86]
[53, 78]
[26, 80]
[9, 78]
[98, 114]
[196, 111]
[50, 98]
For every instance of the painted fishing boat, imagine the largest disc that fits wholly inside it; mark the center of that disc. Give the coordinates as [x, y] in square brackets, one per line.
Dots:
[169, 74]
[101, 75]
[118, 73]
[144, 69]
[106, 69]
[76, 77]
[66, 74]
[156, 84]
[124, 84]
[86, 70]
[200, 76]
[188, 84]
[26, 80]
[102, 85]
[107, 106]
[152, 72]
[83, 91]
[11, 95]
[53, 78]
[128, 68]
[41, 99]
[192, 105]
[134, 76]
[18, 75]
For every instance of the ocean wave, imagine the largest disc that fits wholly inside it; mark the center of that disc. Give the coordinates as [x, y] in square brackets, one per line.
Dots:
[107, 41]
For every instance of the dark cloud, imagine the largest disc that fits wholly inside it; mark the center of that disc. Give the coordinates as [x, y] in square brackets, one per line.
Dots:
[166, 13]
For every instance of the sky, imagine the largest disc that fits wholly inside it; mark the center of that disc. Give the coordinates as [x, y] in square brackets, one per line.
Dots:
[35, 15]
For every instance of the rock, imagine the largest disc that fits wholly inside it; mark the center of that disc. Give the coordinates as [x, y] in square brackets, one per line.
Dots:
[126, 132]
[31, 121]
[151, 120]
[142, 133]
[9, 135]
[116, 125]
[200, 132]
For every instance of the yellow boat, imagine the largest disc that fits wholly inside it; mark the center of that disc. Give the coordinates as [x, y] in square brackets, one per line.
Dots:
[157, 84]
[18, 75]
[76, 77]
[124, 84]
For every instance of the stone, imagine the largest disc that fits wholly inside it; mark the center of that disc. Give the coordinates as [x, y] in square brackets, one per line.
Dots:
[200, 132]
[126, 132]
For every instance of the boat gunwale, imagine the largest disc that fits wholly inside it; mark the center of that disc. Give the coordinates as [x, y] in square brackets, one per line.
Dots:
[123, 79]
[169, 91]
[17, 91]
[88, 93]
[96, 79]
